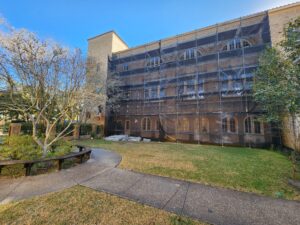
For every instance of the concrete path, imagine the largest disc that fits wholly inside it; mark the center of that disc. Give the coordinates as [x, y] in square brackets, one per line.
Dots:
[206, 203]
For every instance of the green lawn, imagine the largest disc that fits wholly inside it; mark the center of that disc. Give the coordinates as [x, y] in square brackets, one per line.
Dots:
[251, 170]
[80, 205]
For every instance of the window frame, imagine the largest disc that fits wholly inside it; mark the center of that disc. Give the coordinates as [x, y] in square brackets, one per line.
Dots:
[236, 43]
[125, 67]
[146, 124]
[256, 127]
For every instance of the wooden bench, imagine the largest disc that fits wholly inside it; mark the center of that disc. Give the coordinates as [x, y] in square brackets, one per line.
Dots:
[83, 151]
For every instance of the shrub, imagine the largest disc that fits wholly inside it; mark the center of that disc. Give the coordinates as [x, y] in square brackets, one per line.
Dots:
[26, 128]
[5, 128]
[85, 129]
[20, 147]
[61, 126]
[60, 148]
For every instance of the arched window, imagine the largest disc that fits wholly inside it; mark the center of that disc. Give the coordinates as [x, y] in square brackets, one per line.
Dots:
[229, 124]
[224, 124]
[257, 127]
[146, 124]
[248, 125]
[153, 61]
[189, 54]
[253, 125]
[232, 125]
[236, 44]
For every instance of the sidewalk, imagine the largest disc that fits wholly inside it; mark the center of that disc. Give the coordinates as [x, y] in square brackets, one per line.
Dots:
[206, 203]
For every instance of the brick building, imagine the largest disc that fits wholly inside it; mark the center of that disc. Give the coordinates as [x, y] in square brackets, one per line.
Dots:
[196, 86]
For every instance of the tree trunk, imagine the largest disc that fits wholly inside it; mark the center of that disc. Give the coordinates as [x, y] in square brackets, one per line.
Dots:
[44, 151]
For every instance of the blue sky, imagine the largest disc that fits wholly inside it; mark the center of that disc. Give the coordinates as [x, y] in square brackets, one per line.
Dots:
[72, 22]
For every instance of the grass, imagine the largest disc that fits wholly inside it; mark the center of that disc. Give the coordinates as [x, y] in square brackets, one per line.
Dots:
[80, 205]
[252, 170]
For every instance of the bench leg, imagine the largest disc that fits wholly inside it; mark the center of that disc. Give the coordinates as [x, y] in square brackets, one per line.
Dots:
[89, 155]
[81, 158]
[28, 168]
[60, 162]
[1, 169]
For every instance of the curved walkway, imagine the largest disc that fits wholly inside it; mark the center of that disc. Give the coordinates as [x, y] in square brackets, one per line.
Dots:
[25, 187]
[206, 203]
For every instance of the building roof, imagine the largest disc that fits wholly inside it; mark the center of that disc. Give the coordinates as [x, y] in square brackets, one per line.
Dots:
[111, 31]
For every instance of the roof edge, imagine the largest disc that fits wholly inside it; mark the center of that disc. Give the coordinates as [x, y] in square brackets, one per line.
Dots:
[214, 25]
[111, 31]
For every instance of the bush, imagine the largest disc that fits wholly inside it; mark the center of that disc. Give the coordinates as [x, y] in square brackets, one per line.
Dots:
[60, 148]
[60, 127]
[85, 129]
[5, 128]
[26, 129]
[20, 147]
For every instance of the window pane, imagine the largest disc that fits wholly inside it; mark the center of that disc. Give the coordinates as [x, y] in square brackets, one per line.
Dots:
[148, 124]
[238, 44]
[232, 125]
[257, 127]
[248, 125]
[224, 125]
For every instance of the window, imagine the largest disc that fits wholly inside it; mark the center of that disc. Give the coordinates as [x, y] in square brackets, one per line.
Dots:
[248, 125]
[232, 84]
[190, 86]
[232, 125]
[146, 124]
[127, 125]
[200, 87]
[153, 61]
[187, 87]
[236, 44]
[224, 124]
[151, 92]
[229, 124]
[257, 129]
[125, 67]
[162, 90]
[252, 125]
[189, 54]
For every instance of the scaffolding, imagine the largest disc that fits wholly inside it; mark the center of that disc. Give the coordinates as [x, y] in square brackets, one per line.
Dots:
[195, 89]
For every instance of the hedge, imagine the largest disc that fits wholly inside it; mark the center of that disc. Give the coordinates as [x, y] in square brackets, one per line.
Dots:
[85, 129]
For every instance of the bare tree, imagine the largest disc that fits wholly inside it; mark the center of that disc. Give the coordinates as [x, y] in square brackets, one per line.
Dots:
[46, 82]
